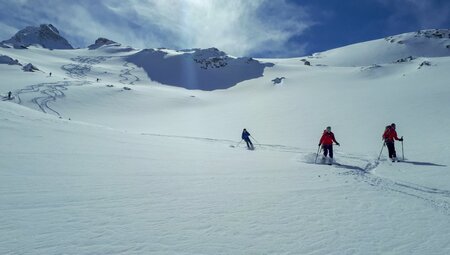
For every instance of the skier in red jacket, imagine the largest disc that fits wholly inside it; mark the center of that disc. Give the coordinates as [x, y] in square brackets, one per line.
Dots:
[389, 136]
[326, 141]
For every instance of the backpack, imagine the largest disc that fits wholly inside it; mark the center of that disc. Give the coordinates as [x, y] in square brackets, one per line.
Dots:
[386, 133]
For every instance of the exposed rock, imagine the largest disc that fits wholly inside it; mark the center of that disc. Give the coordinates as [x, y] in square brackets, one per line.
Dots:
[8, 60]
[102, 42]
[278, 80]
[30, 68]
[403, 60]
[371, 67]
[424, 63]
[305, 62]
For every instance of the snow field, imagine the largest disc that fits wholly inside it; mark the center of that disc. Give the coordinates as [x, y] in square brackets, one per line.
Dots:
[117, 192]
[90, 168]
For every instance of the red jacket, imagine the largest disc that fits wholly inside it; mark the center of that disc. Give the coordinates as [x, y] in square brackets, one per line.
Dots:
[390, 135]
[327, 138]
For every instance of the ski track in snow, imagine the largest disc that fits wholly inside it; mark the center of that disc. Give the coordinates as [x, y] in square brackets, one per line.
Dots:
[51, 91]
[363, 170]
[437, 198]
[82, 66]
[46, 93]
[126, 77]
[76, 71]
[361, 167]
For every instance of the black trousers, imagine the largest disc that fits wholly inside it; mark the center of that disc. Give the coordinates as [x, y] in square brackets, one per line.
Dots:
[249, 143]
[327, 149]
[391, 149]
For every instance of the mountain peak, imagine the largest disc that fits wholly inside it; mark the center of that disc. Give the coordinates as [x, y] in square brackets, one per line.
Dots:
[101, 41]
[46, 35]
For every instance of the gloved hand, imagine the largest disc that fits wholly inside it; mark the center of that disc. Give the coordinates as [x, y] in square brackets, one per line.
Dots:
[401, 139]
[319, 144]
[338, 144]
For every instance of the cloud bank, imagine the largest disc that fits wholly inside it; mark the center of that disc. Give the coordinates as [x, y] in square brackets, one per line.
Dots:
[239, 27]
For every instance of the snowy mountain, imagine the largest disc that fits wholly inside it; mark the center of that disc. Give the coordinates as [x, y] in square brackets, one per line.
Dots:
[424, 43]
[138, 151]
[46, 35]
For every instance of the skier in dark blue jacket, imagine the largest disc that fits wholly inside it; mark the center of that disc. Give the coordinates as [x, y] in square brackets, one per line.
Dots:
[246, 137]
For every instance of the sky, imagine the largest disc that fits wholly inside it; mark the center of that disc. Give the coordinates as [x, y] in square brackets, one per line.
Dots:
[256, 28]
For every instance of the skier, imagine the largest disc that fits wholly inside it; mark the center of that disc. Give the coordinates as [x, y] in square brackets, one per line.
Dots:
[326, 141]
[246, 137]
[50, 74]
[9, 95]
[389, 136]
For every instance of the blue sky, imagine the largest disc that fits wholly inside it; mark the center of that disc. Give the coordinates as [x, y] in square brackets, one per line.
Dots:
[259, 28]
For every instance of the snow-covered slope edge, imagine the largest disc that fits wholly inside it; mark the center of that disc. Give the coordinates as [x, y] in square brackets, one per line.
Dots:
[424, 43]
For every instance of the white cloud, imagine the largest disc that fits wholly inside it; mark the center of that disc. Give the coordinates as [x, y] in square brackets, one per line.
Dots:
[6, 31]
[239, 27]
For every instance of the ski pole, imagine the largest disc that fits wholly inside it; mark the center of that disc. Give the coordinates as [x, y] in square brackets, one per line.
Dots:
[255, 140]
[239, 142]
[403, 153]
[384, 143]
[317, 155]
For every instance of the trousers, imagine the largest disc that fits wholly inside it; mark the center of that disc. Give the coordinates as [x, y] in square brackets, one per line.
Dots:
[327, 149]
[391, 149]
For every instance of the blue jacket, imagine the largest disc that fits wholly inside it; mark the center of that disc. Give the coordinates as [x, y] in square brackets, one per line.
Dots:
[245, 135]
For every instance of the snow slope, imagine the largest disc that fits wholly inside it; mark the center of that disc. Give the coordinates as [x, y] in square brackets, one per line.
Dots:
[89, 167]
[423, 43]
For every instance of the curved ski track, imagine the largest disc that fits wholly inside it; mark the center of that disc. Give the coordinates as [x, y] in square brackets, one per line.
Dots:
[82, 66]
[51, 91]
[126, 77]
[46, 93]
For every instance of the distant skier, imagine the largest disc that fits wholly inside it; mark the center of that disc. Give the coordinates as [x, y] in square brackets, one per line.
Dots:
[98, 79]
[50, 74]
[246, 137]
[326, 141]
[9, 95]
[389, 136]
